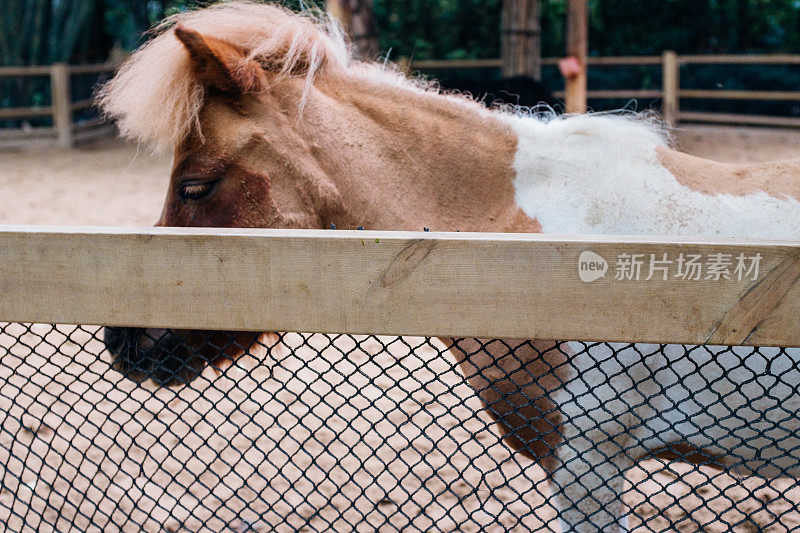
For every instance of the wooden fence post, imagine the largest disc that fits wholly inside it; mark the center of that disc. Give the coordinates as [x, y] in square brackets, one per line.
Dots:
[577, 47]
[358, 20]
[404, 65]
[62, 103]
[521, 40]
[671, 86]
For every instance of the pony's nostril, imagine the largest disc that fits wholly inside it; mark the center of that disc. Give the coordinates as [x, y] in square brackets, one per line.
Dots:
[169, 357]
[141, 354]
[116, 339]
[128, 357]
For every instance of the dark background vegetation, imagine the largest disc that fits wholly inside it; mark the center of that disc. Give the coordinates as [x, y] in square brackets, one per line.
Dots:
[34, 32]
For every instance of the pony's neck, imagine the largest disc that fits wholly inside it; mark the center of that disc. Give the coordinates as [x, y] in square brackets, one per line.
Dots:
[403, 159]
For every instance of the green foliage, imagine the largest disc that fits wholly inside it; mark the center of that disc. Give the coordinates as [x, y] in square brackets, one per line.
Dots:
[693, 26]
[44, 31]
[456, 29]
[34, 32]
[452, 29]
[129, 20]
[470, 28]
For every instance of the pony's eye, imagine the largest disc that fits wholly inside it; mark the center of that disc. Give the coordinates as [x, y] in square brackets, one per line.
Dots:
[196, 190]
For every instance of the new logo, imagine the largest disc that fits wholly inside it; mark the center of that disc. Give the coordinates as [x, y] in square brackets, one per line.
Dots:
[591, 266]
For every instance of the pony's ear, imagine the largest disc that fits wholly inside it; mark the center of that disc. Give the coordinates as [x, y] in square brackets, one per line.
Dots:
[217, 63]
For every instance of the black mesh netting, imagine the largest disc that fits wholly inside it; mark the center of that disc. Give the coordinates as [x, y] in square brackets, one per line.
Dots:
[349, 433]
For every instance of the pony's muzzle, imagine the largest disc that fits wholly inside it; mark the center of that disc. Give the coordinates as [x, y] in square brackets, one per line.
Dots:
[165, 356]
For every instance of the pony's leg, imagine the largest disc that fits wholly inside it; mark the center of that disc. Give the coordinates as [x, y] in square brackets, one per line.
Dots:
[529, 388]
[603, 408]
[516, 379]
[588, 486]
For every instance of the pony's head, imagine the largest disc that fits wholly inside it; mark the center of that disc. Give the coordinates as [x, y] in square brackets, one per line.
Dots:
[273, 124]
[224, 87]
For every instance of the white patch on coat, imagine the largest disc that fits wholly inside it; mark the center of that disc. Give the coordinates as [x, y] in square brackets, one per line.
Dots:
[739, 401]
[624, 400]
[601, 174]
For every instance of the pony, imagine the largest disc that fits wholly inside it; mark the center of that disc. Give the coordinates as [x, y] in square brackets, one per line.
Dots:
[274, 124]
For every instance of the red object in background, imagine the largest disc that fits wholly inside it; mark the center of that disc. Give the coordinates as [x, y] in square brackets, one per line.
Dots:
[570, 67]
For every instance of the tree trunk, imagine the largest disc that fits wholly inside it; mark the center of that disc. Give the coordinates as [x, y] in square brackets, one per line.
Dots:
[38, 38]
[73, 31]
[522, 39]
[358, 19]
[35, 32]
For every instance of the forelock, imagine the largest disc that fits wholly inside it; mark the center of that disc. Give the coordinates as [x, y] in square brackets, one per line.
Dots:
[154, 97]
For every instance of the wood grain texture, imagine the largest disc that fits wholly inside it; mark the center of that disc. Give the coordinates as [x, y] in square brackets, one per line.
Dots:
[747, 59]
[740, 95]
[41, 70]
[62, 103]
[577, 47]
[671, 86]
[734, 118]
[394, 283]
[25, 112]
[741, 59]
[521, 46]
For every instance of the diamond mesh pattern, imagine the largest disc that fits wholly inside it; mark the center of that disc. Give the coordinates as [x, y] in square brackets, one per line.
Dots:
[350, 433]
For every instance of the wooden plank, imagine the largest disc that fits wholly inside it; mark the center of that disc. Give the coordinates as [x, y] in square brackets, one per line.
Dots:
[27, 143]
[733, 118]
[577, 47]
[14, 134]
[44, 70]
[89, 133]
[521, 46]
[479, 63]
[397, 283]
[62, 103]
[741, 59]
[11, 139]
[624, 60]
[740, 95]
[444, 64]
[25, 112]
[671, 85]
[82, 104]
[93, 68]
[617, 94]
[39, 70]
[88, 124]
[623, 93]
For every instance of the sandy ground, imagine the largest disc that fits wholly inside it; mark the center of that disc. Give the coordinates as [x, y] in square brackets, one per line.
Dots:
[323, 431]
[107, 183]
[113, 183]
[738, 145]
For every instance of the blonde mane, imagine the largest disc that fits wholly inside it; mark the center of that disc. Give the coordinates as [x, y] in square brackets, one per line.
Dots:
[154, 97]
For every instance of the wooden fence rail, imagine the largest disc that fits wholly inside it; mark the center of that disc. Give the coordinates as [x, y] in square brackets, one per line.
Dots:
[400, 283]
[670, 92]
[64, 131]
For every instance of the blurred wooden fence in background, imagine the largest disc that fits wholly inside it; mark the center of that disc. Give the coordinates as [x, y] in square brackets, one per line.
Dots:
[670, 92]
[64, 129]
